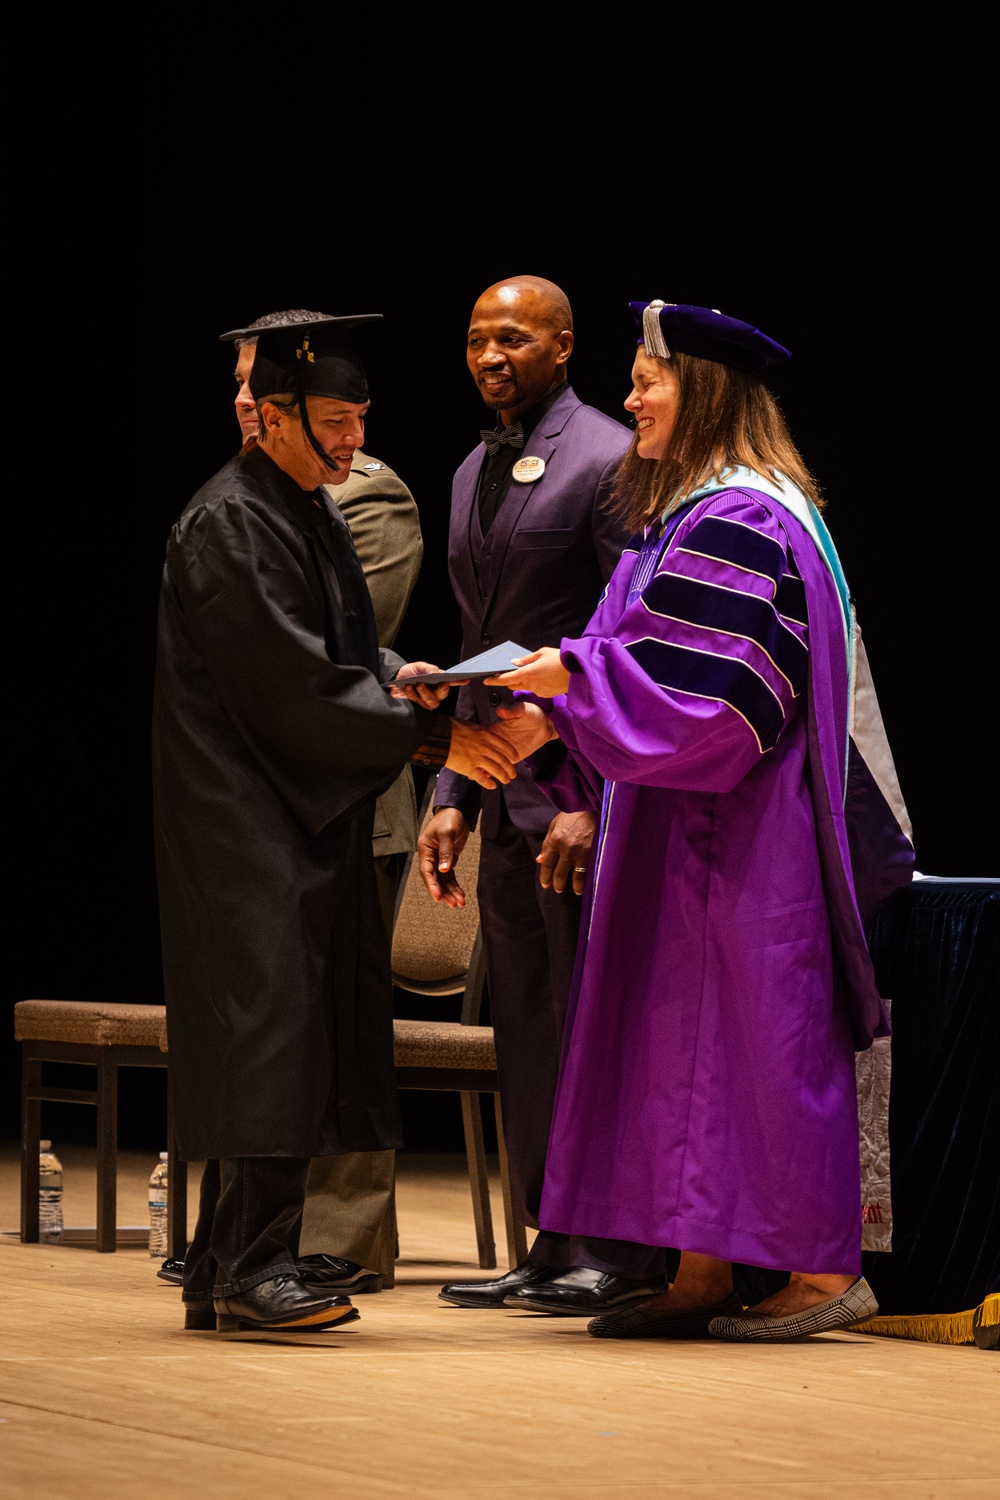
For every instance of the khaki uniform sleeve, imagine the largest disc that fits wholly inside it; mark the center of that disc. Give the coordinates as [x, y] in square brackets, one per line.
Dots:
[385, 526]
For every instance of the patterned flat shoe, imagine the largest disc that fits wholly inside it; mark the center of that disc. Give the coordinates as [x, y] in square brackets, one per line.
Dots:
[645, 1322]
[857, 1303]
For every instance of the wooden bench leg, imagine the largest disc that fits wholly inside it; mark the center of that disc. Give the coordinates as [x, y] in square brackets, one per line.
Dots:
[107, 1150]
[517, 1240]
[475, 1152]
[31, 1132]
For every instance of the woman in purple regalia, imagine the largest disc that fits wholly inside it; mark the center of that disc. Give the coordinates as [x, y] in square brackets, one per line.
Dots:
[718, 711]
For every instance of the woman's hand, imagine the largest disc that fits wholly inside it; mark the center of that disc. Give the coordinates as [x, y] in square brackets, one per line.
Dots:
[525, 727]
[426, 694]
[540, 672]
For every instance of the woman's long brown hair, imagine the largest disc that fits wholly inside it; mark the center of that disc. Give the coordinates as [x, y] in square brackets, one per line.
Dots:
[726, 418]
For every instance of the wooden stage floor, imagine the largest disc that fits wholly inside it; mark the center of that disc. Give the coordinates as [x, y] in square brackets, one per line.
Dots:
[104, 1395]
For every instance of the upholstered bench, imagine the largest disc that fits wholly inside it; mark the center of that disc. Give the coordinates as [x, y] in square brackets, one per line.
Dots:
[437, 1055]
[106, 1037]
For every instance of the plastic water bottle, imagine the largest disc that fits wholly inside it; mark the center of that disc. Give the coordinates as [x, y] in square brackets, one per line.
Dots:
[50, 1191]
[158, 1209]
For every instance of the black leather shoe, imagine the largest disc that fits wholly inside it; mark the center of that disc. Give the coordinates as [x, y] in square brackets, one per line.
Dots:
[582, 1293]
[172, 1271]
[492, 1293]
[328, 1273]
[282, 1305]
[200, 1316]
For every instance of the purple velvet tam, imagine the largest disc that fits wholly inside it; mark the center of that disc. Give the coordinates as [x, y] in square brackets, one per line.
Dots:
[709, 334]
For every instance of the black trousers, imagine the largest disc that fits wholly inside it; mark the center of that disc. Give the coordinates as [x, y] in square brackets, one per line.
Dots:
[530, 935]
[249, 1216]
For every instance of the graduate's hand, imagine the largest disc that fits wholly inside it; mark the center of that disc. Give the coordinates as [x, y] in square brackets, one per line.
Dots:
[566, 851]
[438, 848]
[426, 694]
[482, 754]
[526, 727]
[540, 672]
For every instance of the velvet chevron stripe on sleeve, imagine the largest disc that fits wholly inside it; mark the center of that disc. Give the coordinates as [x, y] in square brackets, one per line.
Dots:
[733, 542]
[790, 600]
[703, 674]
[726, 621]
[713, 607]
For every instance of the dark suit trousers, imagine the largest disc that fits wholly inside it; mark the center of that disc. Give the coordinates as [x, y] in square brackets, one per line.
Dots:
[248, 1225]
[530, 935]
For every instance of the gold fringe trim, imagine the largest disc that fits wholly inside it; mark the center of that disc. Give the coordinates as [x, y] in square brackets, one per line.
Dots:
[933, 1328]
[989, 1310]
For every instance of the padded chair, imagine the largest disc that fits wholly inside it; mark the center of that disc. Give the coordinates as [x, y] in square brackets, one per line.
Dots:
[105, 1037]
[437, 950]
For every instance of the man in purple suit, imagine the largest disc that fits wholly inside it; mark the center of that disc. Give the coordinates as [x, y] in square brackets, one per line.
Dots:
[531, 547]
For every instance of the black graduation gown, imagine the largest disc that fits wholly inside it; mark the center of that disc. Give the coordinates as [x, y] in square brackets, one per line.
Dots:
[272, 737]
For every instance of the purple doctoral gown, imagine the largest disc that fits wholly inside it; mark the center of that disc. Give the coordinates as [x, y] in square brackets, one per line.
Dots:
[707, 1094]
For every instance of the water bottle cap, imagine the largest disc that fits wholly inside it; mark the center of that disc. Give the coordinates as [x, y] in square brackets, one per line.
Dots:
[163, 1155]
[45, 1145]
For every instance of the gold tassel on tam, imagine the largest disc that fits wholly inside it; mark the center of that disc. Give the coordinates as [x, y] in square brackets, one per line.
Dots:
[980, 1325]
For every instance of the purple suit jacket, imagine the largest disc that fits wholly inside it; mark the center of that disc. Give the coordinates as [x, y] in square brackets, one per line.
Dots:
[536, 577]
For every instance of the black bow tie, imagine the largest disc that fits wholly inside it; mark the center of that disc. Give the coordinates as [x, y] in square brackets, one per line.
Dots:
[495, 437]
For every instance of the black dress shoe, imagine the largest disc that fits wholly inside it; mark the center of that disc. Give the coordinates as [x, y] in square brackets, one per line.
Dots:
[492, 1293]
[172, 1271]
[200, 1316]
[328, 1273]
[282, 1305]
[582, 1292]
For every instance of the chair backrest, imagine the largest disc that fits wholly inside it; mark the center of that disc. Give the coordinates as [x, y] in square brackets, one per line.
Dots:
[433, 945]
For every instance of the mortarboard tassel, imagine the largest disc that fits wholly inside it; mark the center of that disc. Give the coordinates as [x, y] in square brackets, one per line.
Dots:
[301, 366]
[652, 333]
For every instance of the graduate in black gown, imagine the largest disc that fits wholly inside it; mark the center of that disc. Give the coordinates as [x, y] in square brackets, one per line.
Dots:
[273, 736]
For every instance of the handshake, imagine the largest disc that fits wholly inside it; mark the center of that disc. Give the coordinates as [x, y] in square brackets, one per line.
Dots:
[485, 755]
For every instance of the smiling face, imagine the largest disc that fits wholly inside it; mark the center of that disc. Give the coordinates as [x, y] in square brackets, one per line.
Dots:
[516, 353]
[246, 409]
[653, 401]
[338, 427]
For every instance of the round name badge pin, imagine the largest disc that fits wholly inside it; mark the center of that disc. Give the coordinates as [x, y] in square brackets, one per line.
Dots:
[528, 469]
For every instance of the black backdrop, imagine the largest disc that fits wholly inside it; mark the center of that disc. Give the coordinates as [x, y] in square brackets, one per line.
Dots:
[835, 209]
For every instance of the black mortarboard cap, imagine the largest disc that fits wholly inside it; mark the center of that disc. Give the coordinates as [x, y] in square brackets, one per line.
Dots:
[315, 358]
[706, 333]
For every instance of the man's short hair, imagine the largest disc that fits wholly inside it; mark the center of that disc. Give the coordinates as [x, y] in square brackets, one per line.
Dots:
[294, 315]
